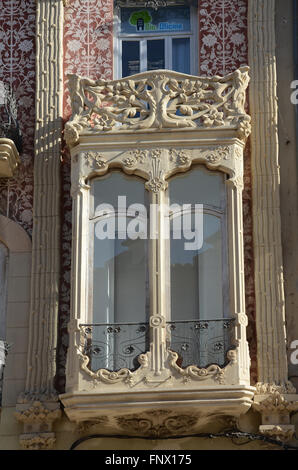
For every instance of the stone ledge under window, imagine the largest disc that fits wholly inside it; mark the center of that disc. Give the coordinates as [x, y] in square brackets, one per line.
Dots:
[9, 158]
[159, 412]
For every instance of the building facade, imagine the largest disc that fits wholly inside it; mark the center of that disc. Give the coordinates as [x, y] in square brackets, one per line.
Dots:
[183, 105]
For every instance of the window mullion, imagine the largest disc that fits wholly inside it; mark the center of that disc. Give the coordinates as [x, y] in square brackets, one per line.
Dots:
[143, 55]
[157, 270]
[168, 53]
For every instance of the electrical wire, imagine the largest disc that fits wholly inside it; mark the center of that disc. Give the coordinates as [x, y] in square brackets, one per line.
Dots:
[227, 434]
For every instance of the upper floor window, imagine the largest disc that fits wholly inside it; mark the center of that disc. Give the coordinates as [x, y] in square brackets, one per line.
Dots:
[151, 39]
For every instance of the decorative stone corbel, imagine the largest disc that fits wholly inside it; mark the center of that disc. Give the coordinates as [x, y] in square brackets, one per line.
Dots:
[276, 408]
[9, 158]
[37, 418]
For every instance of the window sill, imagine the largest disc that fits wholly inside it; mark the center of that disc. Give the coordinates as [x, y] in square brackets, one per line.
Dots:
[171, 412]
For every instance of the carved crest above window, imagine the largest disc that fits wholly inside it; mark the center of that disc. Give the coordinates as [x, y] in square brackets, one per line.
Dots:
[158, 100]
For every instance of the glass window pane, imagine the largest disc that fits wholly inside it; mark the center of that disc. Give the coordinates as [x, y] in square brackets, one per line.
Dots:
[119, 277]
[196, 269]
[198, 186]
[156, 54]
[130, 58]
[181, 55]
[114, 188]
[196, 275]
[148, 20]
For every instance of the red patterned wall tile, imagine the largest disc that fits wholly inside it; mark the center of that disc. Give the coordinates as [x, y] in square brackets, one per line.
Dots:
[17, 68]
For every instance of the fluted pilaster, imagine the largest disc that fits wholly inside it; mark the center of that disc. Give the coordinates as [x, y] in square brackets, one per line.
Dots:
[41, 364]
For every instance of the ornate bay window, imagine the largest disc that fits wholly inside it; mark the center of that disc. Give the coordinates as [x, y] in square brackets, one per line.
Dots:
[158, 320]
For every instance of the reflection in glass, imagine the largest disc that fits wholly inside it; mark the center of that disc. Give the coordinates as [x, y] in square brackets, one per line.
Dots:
[181, 55]
[119, 280]
[198, 186]
[130, 58]
[156, 54]
[120, 273]
[196, 275]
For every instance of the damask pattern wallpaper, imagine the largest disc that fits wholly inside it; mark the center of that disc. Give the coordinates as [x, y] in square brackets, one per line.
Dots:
[17, 68]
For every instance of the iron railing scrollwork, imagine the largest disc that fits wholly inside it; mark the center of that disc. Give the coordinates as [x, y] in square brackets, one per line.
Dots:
[200, 342]
[115, 346]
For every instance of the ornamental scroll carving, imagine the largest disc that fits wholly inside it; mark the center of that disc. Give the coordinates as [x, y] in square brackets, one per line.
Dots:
[143, 372]
[157, 164]
[161, 99]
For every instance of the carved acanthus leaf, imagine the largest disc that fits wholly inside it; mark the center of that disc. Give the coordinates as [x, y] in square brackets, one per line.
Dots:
[265, 388]
[157, 423]
[37, 413]
[37, 442]
[275, 403]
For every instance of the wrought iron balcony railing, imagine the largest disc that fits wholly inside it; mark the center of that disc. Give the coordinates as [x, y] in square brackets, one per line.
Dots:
[200, 342]
[117, 345]
[114, 346]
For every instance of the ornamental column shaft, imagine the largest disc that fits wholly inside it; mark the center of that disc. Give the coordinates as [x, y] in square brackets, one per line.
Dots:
[275, 397]
[41, 363]
[269, 283]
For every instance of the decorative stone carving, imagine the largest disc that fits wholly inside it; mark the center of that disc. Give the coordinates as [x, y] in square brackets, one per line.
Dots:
[37, 418]
[156, 165]
[95, 160]
[87, 426]
[193, 372]
[9, 158]
[275, 409]
[157, 423]
[37, 413]
[157, 181]
[265, 388]
[142, 142]
[37, 442]
[157, 100]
